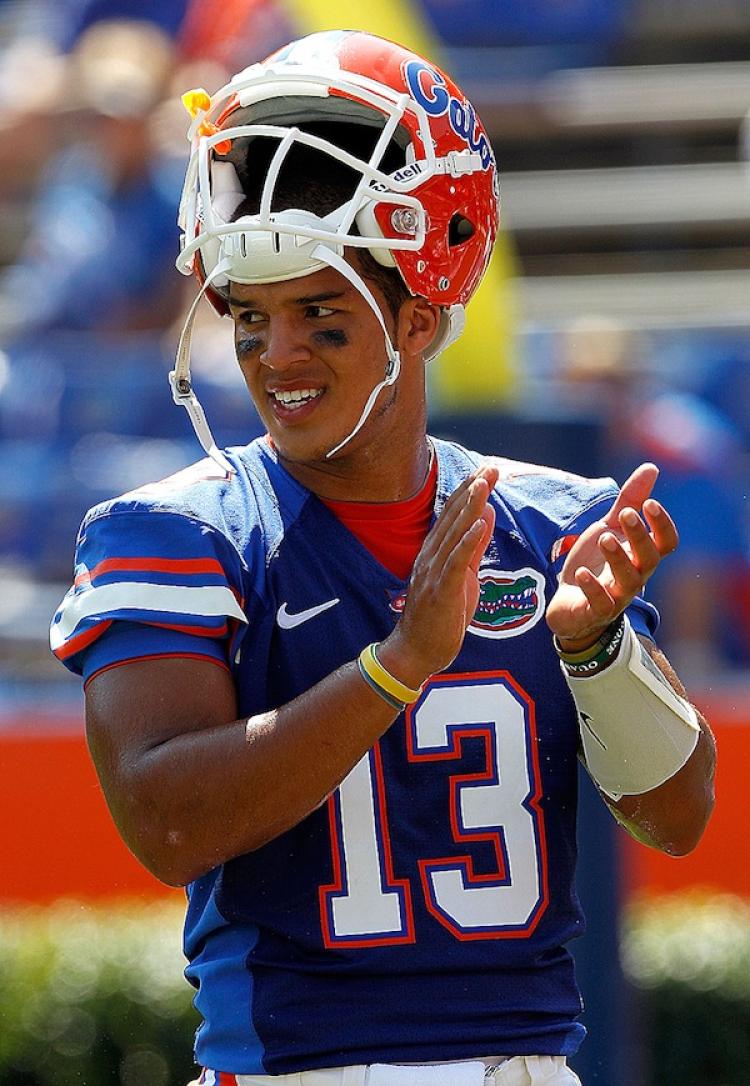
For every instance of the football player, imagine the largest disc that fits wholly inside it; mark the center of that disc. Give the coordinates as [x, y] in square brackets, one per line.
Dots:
[338, 680]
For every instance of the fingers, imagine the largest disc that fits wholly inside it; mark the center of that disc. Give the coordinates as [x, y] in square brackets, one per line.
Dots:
[603, 607]
[633, 561]
[612, 560]
[466, 502]
[648, 537]
[444, 579]
[462, 551]
[467, 516]
[634, 491]
[488, 519]
[651, 541]
[663, 528]
[459, 537]
[460, 556]
[627, 576]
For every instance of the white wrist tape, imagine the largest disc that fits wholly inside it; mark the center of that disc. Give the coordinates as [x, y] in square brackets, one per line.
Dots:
[637, 732]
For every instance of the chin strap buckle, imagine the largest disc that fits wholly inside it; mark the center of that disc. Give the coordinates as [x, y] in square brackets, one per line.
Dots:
[183, 396]
[459, 163]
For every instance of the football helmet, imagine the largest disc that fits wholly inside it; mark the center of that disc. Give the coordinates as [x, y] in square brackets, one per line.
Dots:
[397, 136]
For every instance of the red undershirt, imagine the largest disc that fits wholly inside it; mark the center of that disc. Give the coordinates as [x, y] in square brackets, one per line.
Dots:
[392, 531]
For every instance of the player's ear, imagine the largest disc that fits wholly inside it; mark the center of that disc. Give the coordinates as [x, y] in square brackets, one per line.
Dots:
[417, 327]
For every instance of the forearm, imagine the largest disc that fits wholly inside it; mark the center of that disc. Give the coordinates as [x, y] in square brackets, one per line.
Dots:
[647, 749]
[208, 794]
[191, 786]
[673, 816]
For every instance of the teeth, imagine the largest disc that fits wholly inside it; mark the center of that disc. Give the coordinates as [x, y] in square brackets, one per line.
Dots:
[299, 396]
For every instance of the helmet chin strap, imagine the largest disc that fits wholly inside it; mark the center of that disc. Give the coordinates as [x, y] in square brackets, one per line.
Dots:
[181, 383]
[393, 366]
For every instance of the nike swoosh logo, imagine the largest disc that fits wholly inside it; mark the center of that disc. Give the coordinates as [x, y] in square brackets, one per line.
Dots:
[288, 621]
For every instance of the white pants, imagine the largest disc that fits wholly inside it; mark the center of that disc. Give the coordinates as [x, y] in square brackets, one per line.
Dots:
[516, 1071]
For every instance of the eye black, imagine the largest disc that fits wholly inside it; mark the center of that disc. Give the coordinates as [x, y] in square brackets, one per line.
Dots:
[247, 344]
[331, 337]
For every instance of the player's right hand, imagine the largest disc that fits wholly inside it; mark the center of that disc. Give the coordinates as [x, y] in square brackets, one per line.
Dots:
[444, 587]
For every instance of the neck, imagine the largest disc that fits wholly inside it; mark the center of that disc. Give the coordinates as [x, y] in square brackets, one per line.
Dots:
[388, 459]
[367, 474]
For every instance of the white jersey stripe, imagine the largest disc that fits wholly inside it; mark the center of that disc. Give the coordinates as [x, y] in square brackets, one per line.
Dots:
[206, 601]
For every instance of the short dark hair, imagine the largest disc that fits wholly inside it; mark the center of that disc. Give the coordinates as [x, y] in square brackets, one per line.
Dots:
[316, 182]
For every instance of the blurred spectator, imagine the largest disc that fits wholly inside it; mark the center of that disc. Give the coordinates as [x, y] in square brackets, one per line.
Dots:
[63, 22]
[236, 32]
[233, 32]
[533, 22]
[85, 307]
[102, 237]
[701, 456]
[32, 76]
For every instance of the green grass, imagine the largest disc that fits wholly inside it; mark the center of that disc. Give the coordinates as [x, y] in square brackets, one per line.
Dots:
[689, 954]
[94, 996]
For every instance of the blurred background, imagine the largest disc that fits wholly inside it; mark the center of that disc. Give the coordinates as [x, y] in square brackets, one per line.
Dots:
[613, 327]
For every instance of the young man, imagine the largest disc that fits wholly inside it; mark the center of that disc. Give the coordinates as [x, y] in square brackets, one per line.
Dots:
[321, 690]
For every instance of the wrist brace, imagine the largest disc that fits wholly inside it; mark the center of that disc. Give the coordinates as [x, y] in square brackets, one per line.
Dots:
[636, 730]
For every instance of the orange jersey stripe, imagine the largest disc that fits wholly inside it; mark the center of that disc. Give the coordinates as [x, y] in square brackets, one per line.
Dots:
[198, 631]
[152, 565]
[81, 640]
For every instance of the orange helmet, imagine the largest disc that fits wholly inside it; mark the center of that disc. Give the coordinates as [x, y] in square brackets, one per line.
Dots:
[424, 191]
[421, 192]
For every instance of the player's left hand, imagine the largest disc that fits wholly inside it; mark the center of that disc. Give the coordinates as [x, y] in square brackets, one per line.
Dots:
[611, 561]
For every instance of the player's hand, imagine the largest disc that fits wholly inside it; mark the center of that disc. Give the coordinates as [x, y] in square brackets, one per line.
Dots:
[444, 587]
[611, 561]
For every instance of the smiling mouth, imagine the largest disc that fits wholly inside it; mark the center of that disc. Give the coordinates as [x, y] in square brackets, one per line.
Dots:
[287, 403]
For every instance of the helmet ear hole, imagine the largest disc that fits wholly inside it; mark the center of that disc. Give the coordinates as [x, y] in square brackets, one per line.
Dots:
[460, 229]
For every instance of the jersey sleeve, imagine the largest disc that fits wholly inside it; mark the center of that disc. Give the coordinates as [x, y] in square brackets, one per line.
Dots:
[148, 583]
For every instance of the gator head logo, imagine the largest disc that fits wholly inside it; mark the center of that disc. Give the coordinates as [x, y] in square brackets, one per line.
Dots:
[510, 602]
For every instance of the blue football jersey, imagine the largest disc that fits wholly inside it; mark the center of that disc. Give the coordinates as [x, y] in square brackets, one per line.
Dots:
[422, 912]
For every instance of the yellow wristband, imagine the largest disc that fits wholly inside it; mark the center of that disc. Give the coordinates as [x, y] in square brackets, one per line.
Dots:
[389, 683]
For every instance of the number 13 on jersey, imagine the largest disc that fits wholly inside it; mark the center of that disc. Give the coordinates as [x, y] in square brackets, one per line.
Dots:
[499, 807]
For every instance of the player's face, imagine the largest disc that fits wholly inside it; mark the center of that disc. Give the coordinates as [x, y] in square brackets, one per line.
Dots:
[311, 351]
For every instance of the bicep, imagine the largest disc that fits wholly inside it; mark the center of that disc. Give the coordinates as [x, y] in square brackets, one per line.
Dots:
[135, 707]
